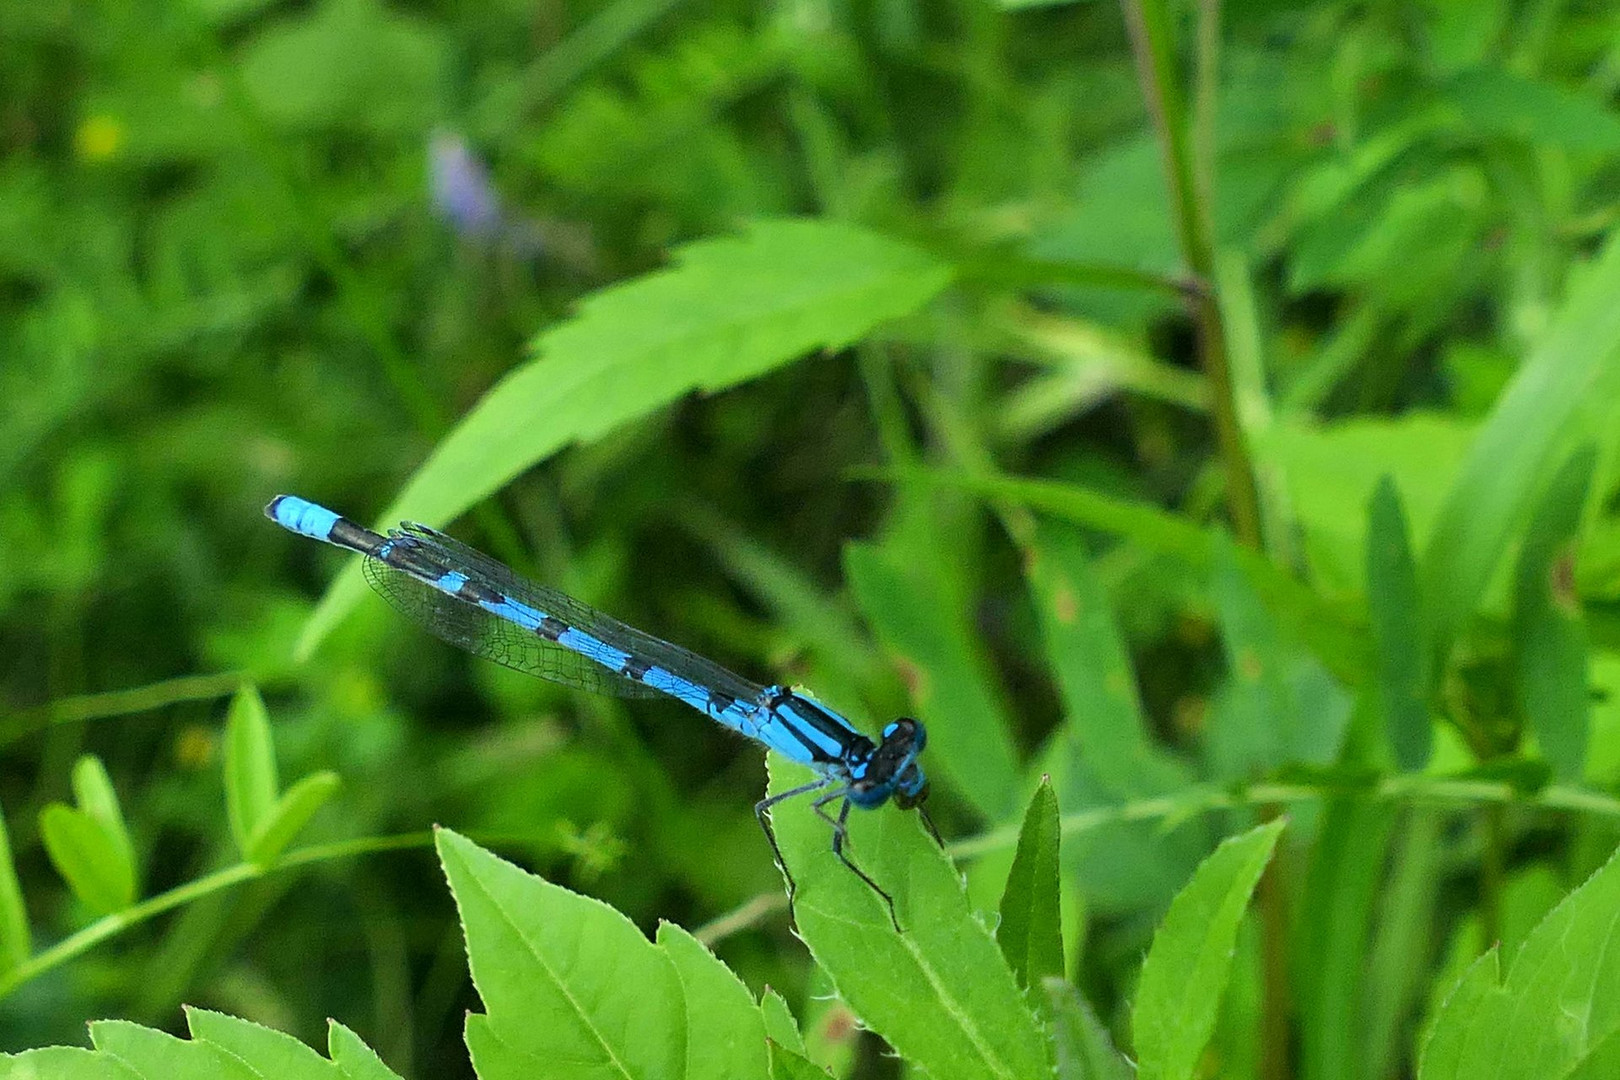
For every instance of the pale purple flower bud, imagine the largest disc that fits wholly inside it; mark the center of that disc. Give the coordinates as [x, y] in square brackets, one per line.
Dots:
[461, 188]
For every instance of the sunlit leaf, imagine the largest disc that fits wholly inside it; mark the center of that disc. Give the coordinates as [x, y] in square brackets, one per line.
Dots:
[1560, 999]
[250, 766]
[565, 979]
[1031, 929]
[939, 990]
[1185, 972]
[728, 310]
[725, 1033]
[1562, 394]
[290, 814]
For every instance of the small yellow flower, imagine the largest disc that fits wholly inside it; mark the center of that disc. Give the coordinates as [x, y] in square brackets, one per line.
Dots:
[99, 137]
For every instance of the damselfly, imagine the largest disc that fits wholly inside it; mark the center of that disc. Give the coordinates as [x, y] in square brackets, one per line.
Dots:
[474, 602]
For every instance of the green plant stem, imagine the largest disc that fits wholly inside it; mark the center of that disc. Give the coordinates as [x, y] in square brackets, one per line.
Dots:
[109, 926]
[1189, 173]
[1207, 798]
[72, 710]
[1189, 163]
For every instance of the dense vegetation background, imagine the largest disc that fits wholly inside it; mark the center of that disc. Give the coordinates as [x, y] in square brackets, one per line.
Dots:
[1299, 320]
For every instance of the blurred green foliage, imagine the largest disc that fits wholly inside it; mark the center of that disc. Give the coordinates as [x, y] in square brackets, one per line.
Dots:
[919, 413]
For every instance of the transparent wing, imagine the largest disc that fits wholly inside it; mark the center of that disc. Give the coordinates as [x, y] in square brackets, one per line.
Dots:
[472, 628]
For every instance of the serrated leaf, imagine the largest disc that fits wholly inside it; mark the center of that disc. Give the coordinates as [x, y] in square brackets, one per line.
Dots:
[939, 992]
[565, 979]
[780, 1024]
[1179, 993]
[1081, 1047]
[63, 1063]
[250, 767]
[1548, 630]
[15, 941]
[1031, 929]
[1562, 394]
[494, 1058]
[157, 1055]
[291, 813]
[1560, 999]
[728, 311]
[350, 1054]
[1602, 1062]
[269, 1054]
[1399, 642]
[1442, 1045]
[924, 630]
[787, 1065]
[725, 1032]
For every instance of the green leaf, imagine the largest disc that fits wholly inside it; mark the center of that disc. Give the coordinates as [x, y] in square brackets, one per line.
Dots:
[565, 979]
[1342, 886]
[1442, 1053]
[728, 311]
[939, 992]
[779, 1022]
[832, 1033]
[1334, 469]
[1330, 630]
[725, 1032]
[1178, 995]
[920, 625]
[269, 1054]
[1277, 705]
[93, 790]
[1031, 929]
[221, 1048]
[494, 1058]
[1602, 1062]
[88, 845]
[1397, 968]
[15, 941]
[1563, 394]
[250, 767]
[1399, 641]
[786, 1065]
[1560, 1000]
[357, 1060]
[1495, 102]
[157, 1055]
[1102, 716]
[63, 1063]
[1551, 656]
[291, 813]
[306, 72]
[1080, 1043]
